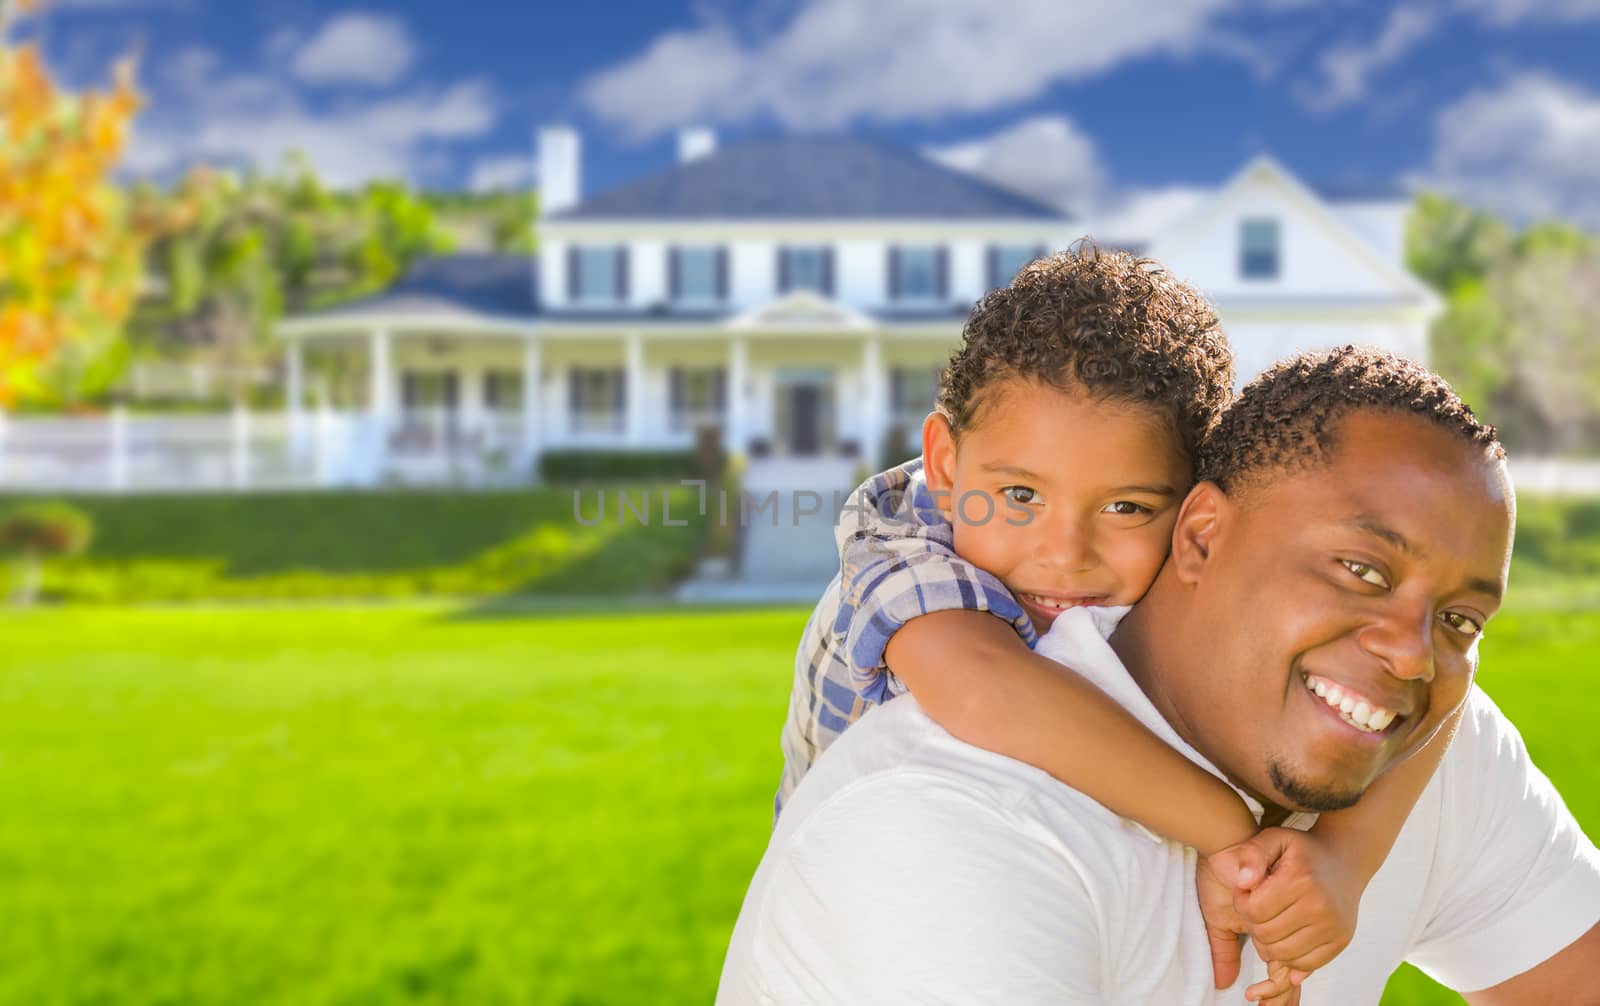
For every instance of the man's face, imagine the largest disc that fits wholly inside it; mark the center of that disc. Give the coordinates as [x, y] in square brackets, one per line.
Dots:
[1341, 609]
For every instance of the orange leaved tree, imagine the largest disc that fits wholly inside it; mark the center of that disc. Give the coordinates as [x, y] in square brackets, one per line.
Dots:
[69, 256]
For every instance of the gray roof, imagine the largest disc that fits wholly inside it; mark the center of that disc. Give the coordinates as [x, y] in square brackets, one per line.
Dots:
[810, 177]
[474, 283]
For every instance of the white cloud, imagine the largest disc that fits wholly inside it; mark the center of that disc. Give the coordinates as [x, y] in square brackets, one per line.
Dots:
[356, 48]
[840, 61]
[1046, 157]
[1528, 148]
[491, 174]
[1347, 67]
[203, 113]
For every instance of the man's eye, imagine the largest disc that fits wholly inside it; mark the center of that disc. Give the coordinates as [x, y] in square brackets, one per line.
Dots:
[1020, 494]
[1461, 623]
[1366, 573]
[1128, 508]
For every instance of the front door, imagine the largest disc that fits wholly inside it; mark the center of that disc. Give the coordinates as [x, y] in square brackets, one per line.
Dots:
[805, 411]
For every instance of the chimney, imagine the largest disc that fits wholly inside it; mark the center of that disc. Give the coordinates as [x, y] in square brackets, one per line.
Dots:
[695, 142]
[559, 160]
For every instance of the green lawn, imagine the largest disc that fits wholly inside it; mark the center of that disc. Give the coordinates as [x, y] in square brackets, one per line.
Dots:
[381, 544]
[438, 804]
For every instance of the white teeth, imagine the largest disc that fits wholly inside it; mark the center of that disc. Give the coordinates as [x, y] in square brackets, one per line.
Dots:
[1356, 710]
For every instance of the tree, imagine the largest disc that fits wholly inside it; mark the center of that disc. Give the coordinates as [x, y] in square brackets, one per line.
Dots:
[69, 254]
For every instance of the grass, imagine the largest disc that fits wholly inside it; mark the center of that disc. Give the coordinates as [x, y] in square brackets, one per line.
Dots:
[376, 545]
[430, 803]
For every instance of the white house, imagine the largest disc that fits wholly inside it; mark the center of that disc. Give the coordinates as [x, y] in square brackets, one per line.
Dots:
[801, 295]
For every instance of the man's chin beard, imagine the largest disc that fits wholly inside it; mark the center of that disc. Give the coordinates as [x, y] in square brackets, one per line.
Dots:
[1304, 796]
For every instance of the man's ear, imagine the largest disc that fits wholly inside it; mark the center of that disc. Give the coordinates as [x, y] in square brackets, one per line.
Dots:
[939, 460]
[1202, 521]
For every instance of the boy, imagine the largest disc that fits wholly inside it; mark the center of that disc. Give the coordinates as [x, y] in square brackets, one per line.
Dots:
[1050, 478]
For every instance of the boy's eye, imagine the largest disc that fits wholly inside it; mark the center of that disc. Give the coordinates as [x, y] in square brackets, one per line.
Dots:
[1020, 494]
[1128, 508]
[1461, 623]
[1366, 573]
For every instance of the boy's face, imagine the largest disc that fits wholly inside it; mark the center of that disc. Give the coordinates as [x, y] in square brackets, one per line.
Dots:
[1068, 500]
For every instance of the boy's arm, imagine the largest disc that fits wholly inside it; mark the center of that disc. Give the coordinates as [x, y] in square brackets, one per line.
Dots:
[976, 679]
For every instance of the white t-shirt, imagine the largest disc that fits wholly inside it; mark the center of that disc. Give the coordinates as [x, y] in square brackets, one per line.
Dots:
[910, 867]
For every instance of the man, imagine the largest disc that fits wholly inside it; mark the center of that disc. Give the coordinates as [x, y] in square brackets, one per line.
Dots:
[1350, 539]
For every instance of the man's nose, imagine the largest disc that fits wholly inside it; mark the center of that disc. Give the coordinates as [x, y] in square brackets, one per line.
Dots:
[1402, 637]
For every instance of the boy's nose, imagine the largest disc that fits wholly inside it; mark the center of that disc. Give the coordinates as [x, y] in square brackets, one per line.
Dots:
[1065, 545]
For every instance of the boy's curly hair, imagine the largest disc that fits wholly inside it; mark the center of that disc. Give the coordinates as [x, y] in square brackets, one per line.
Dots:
[1116, 326]
[1288, 418]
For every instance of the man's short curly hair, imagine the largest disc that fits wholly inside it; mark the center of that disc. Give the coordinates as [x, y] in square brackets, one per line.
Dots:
[1116, 326]
[1288, 418]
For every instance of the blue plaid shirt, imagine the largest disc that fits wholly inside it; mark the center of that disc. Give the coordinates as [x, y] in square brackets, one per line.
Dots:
[897, 560]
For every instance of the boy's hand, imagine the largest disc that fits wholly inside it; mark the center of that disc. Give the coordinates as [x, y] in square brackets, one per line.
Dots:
[1302, 911]
[1215, 880]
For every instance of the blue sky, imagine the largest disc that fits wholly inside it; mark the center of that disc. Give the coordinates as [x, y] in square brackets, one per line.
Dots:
[1094, 106]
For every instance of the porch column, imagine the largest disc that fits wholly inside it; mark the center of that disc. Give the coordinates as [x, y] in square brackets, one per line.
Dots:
[532, 385]
[874, 400]
[379, 400]
[294, 391]
[737, 437]
[633, 388]
[378, 393]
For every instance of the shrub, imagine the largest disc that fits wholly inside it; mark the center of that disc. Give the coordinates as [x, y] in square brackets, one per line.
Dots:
[617, 466]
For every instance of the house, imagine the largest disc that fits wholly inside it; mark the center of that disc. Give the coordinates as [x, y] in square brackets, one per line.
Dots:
[798, 294]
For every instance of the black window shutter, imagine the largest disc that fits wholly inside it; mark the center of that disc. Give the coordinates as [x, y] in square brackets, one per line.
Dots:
[491, 390]
[722, 273]
[894, 272]
[994, 267]
[675, 389]
[572, 272]
[452, 388]
[719, 389]
[897, 391]
[941, 272]
[827, 272]
[1040, 251]
[674, 273]
[619, 381]
[575, 390]
[783, 269]
[408, 390]
[622, 272]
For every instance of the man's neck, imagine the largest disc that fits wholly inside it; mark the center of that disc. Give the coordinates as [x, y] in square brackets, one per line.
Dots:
[1155, 655]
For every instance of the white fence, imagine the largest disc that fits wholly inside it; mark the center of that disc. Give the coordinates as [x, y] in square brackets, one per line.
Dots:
[246, 450]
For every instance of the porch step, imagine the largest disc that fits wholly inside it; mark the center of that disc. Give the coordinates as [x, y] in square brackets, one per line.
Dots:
[784, 543]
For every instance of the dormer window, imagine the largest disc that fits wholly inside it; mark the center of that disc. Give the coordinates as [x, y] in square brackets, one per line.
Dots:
[698, 274]
[805, 267]
[918, 272]
[597, 274]
[1259, 249]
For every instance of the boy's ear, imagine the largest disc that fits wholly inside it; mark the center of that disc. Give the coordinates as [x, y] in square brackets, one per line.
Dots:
[939, 459]
[1202, 521]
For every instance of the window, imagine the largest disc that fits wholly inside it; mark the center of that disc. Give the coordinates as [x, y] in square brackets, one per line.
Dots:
[425, 390]
[1258, 249]
[596, 398]
[1005, 261]
[806, 268]
[913, 392]
[502, 391]
[599, 274]
[698, 396]
[917, 273]
[698, 274]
